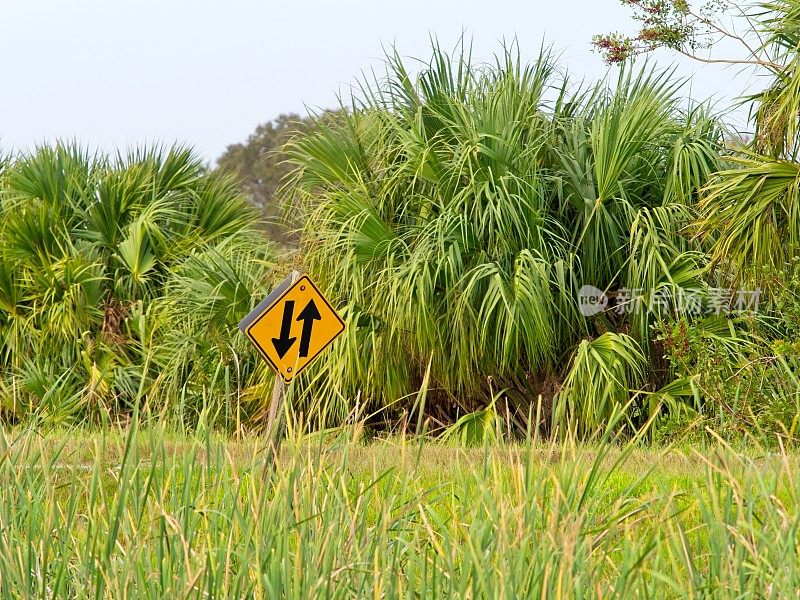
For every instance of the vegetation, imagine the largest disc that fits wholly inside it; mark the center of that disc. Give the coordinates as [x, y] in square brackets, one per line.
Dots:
[459, 215]
[260, 166]
[748, 213]
[121, 284]
[456, 219]
[143, 514]
[552, 284]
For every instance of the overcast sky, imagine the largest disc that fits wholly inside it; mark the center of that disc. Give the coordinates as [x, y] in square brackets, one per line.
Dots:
[111, 73]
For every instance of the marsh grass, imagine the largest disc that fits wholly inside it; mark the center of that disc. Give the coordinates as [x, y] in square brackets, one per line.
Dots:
[147, 513]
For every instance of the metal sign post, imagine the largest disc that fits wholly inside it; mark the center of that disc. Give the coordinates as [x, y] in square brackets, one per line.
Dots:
[279, 388]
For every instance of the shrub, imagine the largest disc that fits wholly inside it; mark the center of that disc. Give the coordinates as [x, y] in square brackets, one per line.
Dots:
[106, 265]
[456, 214]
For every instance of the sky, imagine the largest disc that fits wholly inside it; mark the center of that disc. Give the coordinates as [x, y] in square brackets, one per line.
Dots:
[113, 74]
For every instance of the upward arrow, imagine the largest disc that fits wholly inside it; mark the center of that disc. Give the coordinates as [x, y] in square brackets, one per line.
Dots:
[308, 315]
[283, 343]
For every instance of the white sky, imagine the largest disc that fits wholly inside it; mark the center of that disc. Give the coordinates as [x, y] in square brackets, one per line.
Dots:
[114, 73]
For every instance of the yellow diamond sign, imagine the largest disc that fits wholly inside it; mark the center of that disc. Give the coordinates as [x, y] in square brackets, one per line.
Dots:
[292, 326]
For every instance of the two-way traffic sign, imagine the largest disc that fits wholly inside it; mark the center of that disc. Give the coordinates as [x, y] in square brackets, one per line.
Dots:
[292, 326]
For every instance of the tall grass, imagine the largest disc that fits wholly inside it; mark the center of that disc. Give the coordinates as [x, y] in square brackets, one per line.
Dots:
[144, 514]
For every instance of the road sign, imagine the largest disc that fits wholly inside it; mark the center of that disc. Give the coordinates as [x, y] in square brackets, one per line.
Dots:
[292, 326]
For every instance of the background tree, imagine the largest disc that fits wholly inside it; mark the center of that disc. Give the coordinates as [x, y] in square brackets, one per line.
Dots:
[688, 28]
[260, 164]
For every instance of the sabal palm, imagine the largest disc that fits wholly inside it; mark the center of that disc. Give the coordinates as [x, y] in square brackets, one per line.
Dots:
[751, 212]
[91, 248]
[458, 213]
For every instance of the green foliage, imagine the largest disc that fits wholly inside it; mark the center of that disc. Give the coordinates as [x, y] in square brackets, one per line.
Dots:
[752, 216]
[109, 269]
[786, 300]
[674, 409]
[597, 387]
[456, 214]
[743, 372]
[751, 210]
[747, 383]
[260, 165]
[148, 515]
[483, 426]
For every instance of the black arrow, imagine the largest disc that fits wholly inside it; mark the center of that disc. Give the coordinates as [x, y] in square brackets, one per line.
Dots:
[308, 315]
[283, 343]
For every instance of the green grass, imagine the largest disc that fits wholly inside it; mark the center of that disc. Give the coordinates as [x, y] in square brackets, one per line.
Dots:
[152, 514]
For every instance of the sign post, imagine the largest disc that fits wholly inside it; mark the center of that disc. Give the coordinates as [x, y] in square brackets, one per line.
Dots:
[278, 389]
[290, 328]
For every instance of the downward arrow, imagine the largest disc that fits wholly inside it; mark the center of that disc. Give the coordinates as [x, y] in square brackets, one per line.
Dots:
[308, 315]
[283, 343]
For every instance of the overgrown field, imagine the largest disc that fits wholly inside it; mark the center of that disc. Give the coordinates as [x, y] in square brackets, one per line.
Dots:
[504, 243]
[147, 514]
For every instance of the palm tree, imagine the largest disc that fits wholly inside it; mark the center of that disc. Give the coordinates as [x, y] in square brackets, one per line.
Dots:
[95, 255]
[751, 211]
[458, 212]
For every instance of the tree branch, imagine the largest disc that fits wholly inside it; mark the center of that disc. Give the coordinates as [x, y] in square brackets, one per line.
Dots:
[723, 31]
[754, 62]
